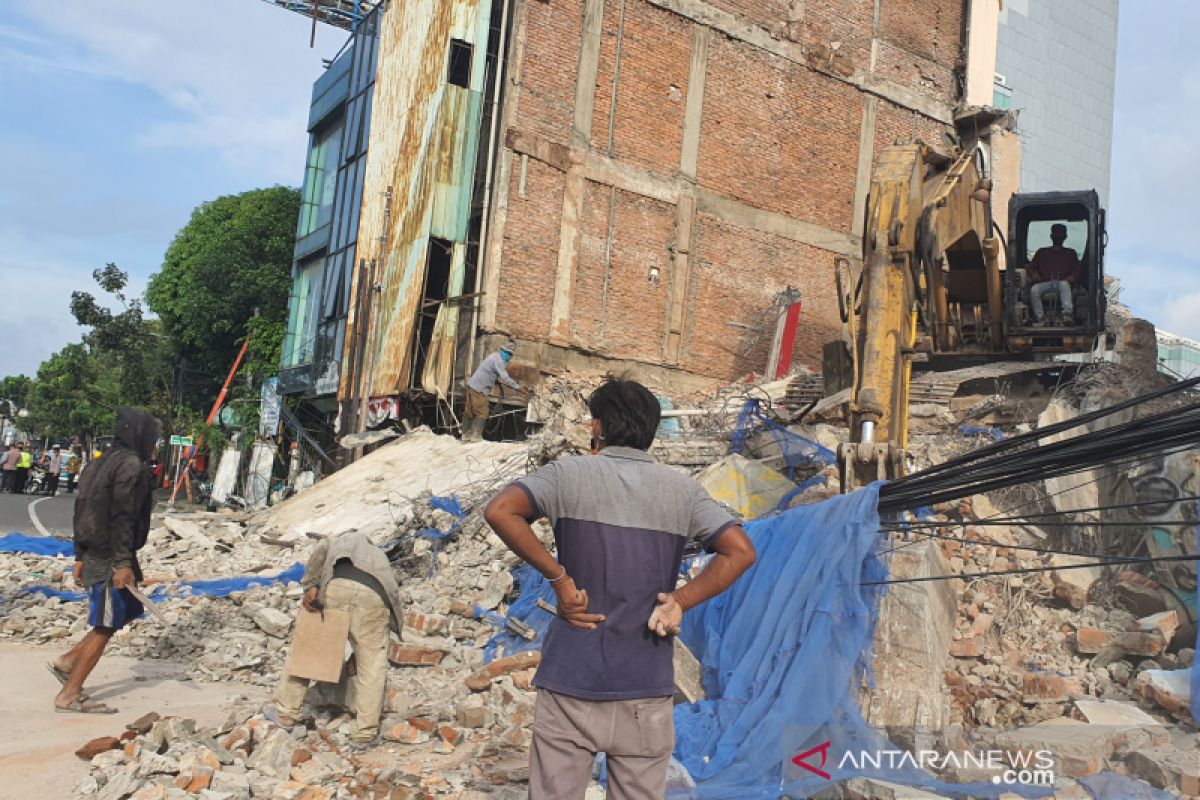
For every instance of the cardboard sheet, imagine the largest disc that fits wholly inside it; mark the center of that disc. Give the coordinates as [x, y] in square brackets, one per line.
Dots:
[319, 646]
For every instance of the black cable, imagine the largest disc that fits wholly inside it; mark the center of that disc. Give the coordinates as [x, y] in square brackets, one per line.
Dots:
[1046, 550]
[1017, 523]
[1065, 425]
[1047, 461]
[1122, 462]
[1026, 517]
[1169, 427]
[994, 573]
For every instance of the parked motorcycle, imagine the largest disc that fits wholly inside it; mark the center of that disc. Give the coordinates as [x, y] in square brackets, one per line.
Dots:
[36, 481]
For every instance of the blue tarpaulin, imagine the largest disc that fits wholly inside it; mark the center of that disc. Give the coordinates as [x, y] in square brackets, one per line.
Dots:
[783, 652]
[221, 587]
[37, 545]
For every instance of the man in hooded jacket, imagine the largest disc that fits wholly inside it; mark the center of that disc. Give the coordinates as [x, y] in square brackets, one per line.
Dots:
[112, 521]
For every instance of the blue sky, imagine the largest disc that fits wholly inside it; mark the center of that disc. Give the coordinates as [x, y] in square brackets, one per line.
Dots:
[1156, 164]
[121, 116]
[118, 119]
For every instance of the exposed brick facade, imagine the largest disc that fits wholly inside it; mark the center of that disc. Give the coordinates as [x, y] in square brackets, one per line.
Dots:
[775, 158]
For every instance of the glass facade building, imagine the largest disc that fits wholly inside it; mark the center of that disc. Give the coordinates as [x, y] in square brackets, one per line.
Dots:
[327, 231]
[1056, 64]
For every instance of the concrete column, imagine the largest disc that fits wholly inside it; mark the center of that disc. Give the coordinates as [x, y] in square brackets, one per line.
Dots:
[983, 29]
[685, 208]
[570, 231]
[694, 108]
[866, 158]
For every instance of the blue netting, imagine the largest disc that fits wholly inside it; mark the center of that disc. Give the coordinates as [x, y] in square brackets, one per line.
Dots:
[451, 505]
[783, 652]
[532, 587]
[46, 591]
[448, 504]
[785, 502]
[981, 430]
[1111, 786]
[38, 545]
[795, 449]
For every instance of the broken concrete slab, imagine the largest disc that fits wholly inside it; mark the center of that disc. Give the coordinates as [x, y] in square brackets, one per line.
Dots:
[688, 674]
[1138, 643]
[1171, 689]
[749, 487]
[912, 647]
[373, 492]
[1166, 767]
[1114, 713]
[1073, 585]
[1079, 749]
[1164, 623]
[273, 621]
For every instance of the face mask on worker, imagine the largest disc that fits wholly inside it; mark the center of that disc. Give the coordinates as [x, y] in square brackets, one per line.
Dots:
[507, 356]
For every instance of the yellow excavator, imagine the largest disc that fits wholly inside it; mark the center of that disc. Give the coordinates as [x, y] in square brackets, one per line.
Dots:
[931, 289]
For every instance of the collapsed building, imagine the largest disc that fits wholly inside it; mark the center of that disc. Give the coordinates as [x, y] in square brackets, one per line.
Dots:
[1007, 640]
[646, 185]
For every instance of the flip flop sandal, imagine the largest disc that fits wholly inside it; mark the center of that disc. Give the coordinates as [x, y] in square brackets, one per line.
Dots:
[62, 677]
[85, 707]
[59, 675]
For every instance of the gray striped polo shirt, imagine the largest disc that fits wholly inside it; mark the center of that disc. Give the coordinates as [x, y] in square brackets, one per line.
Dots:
[621, 521]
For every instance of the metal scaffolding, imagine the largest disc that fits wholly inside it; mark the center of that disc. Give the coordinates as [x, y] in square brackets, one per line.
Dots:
[346, 14]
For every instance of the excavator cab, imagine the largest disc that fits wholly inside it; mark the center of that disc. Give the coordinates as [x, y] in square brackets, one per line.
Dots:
[1056, 229]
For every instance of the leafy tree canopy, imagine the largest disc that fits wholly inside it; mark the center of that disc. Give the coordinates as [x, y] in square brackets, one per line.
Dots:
[132, 344]
[234, 256]
[76, 392]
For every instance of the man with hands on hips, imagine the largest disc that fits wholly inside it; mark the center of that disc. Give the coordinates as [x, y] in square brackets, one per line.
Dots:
[621, 522]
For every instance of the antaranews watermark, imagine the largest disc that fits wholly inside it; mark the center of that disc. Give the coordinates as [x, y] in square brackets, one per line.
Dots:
[1030, 768]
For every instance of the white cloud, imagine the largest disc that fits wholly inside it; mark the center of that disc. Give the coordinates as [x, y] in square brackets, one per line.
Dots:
[237, 72]
[1179, 314]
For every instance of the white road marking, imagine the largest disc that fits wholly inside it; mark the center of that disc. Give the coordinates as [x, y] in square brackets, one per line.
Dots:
[37, 523]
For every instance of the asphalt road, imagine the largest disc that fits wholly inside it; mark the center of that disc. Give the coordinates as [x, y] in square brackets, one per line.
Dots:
[23, 512]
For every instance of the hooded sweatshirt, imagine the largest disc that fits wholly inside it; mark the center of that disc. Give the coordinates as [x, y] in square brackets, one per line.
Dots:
[112, 510]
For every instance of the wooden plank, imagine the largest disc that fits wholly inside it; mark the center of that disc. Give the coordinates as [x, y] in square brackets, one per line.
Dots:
[319, 645]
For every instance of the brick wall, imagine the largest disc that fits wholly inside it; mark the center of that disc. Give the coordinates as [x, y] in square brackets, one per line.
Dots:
[526, 289]
[778, 139]
[735, 277]
[778, 136]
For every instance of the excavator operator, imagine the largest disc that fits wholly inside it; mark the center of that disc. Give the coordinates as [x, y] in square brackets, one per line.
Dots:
[1053, 269]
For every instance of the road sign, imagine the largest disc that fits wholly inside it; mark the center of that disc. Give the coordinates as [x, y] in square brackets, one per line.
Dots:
[181, 441]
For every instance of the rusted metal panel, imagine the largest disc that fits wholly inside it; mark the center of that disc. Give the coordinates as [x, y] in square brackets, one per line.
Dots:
[424, 140]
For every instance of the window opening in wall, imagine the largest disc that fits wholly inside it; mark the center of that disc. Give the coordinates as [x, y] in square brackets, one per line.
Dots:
[439, 255]
[459, 71]
[320, 179]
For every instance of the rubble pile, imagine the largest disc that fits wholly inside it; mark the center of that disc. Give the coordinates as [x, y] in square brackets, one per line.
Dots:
[1089, 663]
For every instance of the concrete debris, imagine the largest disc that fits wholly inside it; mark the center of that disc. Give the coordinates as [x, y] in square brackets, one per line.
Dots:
[1170, 689]
[1084, 662]
[749, 488]
[1073, 585]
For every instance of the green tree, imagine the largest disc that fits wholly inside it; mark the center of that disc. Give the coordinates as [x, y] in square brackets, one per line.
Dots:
[232, 258]
[15, 388]
[128, 341]
[76, 393]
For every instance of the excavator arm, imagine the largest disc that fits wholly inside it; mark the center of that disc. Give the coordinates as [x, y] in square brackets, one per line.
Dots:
[930, 283]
